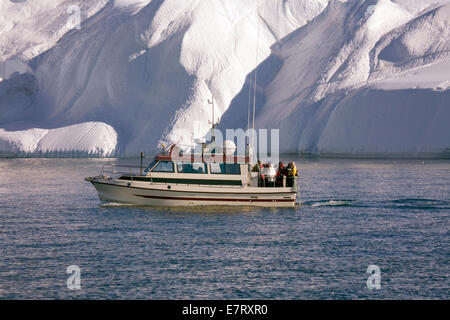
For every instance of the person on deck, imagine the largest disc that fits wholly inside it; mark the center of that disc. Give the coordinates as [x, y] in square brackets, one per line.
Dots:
[279, 175]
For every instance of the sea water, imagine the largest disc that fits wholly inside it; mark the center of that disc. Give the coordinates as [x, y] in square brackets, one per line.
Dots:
[58, 241]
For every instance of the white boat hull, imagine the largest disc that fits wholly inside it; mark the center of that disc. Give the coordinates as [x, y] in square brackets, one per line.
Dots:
[163, 194]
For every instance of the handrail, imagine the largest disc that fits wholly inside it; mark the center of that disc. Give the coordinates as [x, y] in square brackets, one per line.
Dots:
[287, 182]
[128, 170]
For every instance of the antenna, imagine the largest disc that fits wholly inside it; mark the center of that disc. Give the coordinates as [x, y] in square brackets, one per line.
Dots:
[211, 102]
[256, 73]
[212, 123]
[252, 139]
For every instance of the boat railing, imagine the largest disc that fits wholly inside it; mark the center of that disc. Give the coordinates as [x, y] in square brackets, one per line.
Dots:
[119, 170]
[278, 182]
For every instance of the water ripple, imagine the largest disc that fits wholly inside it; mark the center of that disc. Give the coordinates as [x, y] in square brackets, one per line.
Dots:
[353, 214]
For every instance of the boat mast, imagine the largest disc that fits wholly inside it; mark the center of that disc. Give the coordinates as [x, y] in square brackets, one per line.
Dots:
[256, 73]
[252, 138]
[212, 123]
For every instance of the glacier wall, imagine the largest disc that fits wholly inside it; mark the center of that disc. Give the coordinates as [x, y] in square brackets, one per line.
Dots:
[338, 78]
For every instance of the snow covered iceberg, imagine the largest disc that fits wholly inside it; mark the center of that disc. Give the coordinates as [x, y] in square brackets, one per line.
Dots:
[339, 78]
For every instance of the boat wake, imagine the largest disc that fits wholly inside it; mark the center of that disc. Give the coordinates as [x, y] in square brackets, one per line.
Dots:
[414, 203]
[116, 204]
[329, 203]
[405, 203]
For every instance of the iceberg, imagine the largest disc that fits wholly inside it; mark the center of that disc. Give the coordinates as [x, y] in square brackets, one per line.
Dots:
[338, 78]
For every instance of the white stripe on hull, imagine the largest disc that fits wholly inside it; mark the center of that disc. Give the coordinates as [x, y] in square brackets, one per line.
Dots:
[159, 195]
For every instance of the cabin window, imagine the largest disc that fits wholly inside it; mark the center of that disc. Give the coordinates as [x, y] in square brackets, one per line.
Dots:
[225, 168]
[183, 167]
[150, 166]
[164, 166]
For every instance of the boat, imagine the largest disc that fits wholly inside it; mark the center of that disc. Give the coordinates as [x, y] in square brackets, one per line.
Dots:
[214, 176]
[209, 179]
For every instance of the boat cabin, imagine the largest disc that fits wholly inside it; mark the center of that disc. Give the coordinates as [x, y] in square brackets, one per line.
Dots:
[164, 169]
[217, 170]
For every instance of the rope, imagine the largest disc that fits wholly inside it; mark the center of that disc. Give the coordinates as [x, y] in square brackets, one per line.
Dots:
[254, 85]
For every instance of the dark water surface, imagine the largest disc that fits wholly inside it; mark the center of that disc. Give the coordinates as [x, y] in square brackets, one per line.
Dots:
[354, 213]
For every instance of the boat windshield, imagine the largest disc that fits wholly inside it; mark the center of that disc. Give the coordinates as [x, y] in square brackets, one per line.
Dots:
[164, 166]
[150, 166]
